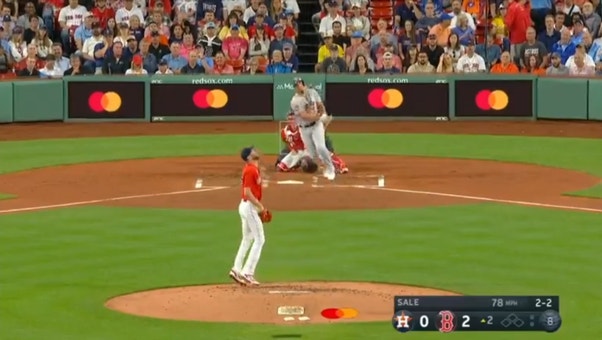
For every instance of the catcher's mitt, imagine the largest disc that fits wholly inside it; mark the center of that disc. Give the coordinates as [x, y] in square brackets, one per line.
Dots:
[266, 216]
[308, 165]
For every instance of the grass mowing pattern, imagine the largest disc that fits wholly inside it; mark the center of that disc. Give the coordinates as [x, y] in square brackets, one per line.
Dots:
[55, 275]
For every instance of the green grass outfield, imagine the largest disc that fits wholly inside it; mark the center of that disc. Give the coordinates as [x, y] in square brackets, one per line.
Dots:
[57, 267]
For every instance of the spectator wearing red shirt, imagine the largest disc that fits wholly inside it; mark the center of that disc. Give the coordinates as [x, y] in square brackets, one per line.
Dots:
[221, 67]
[163, 4]
[103, 13]
[289, 31]
[235, 47]
[32, 54]
[517, 20]
[188, 45]
[260, 21]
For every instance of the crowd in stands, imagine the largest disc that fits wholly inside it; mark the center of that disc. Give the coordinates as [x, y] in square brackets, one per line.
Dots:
[54, 38]
[539, 37]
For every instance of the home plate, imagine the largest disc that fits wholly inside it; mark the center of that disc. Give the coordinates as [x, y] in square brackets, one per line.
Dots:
[289, 182]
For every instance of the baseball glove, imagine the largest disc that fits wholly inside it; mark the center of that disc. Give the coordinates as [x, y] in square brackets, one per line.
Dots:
[266, 216]
[308, 165]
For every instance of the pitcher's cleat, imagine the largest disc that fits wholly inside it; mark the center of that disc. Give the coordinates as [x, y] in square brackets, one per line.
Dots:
[237, 277]
[250, 280]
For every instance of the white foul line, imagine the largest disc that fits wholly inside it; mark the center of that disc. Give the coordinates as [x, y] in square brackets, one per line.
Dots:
[477, 198]
[112, 199]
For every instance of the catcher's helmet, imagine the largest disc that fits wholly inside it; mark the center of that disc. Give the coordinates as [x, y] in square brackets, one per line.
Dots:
[308, 165]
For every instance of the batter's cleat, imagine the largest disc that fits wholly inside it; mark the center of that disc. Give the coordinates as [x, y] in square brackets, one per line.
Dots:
[250, 280]
[237, 277]
[329, 174]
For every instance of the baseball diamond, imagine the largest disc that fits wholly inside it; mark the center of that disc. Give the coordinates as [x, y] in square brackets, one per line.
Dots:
[107, 234]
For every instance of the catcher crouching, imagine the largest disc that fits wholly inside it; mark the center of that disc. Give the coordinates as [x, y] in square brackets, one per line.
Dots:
[294, 156]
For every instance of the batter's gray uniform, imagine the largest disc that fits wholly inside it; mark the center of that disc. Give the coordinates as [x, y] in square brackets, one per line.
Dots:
[312, 133]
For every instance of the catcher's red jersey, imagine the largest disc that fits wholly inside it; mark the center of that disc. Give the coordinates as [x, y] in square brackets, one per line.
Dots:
[292, 137]
[251, 179]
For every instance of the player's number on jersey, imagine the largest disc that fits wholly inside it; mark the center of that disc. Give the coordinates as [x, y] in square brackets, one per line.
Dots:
[466, 322]
[424, 321]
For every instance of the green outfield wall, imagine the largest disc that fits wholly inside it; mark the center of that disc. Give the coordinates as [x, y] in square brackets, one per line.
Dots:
[266, 97]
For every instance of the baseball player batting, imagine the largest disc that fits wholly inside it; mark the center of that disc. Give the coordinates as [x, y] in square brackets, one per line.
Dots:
[310, 117]
[295, 152]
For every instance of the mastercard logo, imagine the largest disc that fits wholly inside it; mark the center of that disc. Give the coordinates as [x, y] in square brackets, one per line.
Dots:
[492, 100]
[381, 98]
[104, 101]
[215, 99]
[339, 313]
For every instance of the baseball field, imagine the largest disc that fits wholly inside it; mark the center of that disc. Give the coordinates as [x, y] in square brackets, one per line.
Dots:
[104, 235]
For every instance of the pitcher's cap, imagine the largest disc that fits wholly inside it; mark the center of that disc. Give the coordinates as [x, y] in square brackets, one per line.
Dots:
[246, 152]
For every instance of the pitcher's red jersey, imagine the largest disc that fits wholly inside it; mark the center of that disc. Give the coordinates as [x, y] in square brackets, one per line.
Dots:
[251, 179]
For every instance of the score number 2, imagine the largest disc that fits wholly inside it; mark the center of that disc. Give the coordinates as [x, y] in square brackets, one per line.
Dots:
[547, 303]
[466, 321]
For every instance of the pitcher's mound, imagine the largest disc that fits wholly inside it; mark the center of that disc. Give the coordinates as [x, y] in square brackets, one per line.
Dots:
[273, 303]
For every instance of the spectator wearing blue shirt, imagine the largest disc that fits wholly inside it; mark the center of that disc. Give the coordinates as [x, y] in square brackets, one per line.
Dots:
[3, 40]
[215, 6]
[149, 61]
[131, 48]
[101, 51]
[489, 51]
[174, 60]
[84, 31]
[262, 9]
[464, 32]
[564, 46]
[5, 62]
[277, 65]
[203, 59]
[593, 49]
[578, 29]
[539, 10]
[279, 39]
[289, 58]
[62, 62]
[406, 11]
[550, 35]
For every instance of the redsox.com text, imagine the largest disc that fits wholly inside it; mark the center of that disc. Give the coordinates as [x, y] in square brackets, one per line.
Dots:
[201, 81]
[381, 80]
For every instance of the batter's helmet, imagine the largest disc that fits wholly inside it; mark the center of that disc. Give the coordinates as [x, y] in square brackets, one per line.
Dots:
[308, 165]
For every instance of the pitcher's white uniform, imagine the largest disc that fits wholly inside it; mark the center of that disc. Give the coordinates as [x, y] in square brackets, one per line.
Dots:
[312, 133]
[253, 237]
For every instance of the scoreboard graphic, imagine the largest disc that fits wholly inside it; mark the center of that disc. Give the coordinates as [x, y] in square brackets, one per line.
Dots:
[447, 314]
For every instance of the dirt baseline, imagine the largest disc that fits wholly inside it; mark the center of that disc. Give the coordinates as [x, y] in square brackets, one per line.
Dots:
[273, 303]
[156, 179]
